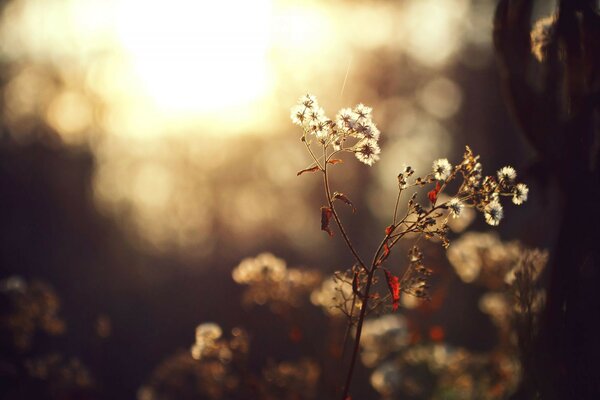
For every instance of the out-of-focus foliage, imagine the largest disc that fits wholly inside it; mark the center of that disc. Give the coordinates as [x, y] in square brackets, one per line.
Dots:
[269, 280]
[28, 309]
[30, 316]
[218, 368]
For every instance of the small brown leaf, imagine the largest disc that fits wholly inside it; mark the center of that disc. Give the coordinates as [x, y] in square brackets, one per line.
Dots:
[344, 198]
[326, 215]
[334, 161]
[311, 169]
[355, 286]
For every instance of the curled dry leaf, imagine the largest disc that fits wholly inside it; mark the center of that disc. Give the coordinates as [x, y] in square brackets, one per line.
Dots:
[355, 286]
[344, 198]
[385, 254]
[394, 285]
[326, 215]
[389, 229]
[311, 169]
[434, 193]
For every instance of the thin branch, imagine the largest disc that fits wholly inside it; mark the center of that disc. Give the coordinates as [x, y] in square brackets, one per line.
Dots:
[335, 215]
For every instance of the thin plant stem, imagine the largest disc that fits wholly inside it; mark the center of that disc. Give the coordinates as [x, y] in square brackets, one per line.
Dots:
[348, 328]
[359, 325]
[361, 316]
[396, 207]
[335, 215]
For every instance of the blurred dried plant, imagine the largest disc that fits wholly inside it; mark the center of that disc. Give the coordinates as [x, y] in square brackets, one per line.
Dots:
[31, 308]
[30, 317]
[214, 368]
[269, 280]
[217, 367]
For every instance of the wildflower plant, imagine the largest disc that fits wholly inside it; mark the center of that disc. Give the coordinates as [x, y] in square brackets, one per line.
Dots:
[353, 131]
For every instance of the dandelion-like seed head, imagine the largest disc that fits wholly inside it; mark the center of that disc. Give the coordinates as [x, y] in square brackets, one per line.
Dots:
[306, 110]
[367, 151]
[455, 206]
[493, 213]
[299, 115]
[442, 169]
[362, 112]
[520, 193]
[316, 115]
[321, 129]
[367, 130]
[507, 174]
[308, 101]
[344, 120]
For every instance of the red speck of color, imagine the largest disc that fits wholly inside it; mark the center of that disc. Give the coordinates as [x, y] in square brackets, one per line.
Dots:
[436, 333]
[295, 335]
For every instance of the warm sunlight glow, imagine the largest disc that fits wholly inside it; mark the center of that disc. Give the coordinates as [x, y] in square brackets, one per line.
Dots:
[197, 56]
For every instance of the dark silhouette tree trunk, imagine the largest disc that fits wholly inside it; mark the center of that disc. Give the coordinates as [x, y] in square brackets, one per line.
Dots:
[555, 102]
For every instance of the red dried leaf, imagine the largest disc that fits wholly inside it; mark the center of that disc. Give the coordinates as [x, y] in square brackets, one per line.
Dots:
[386, 252]
[334, 161]
[326, 215]
[389, 229]
[311, 169]
[394, 285]
[344, 198]
[434, 193]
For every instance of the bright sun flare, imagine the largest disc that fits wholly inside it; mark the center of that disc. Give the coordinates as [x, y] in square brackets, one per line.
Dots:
[198, 56]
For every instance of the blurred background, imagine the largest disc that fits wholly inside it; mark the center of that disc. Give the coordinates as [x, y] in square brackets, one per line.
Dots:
[146, 149]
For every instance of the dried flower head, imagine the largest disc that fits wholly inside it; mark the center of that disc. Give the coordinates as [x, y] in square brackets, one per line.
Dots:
[442, 169]
[308, 101]
[507, 174]
[456, 207]
[366, 130]
[367, 151]
[493, 212]
[520, 193]
[362, 112]
[344, 120]
[355, 124]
